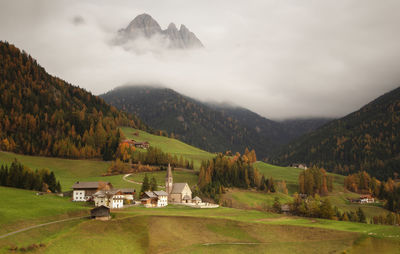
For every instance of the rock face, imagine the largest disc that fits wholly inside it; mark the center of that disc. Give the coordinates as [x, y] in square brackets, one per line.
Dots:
[145, 26]
[142, 25]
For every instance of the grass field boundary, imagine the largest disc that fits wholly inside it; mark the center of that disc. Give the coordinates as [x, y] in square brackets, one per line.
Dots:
[41, 225]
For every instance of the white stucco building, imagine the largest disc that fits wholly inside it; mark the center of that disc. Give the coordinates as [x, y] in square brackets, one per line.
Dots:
[83, 191]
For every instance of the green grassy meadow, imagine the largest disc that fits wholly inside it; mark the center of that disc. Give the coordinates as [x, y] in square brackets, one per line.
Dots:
[176, 229]
[247, 199]
[169, 145]
[21, 208]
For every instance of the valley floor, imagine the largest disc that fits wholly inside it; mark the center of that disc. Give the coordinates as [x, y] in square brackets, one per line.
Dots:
[177, 229]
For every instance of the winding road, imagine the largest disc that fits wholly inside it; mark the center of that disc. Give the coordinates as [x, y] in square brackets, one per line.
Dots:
[131, 181]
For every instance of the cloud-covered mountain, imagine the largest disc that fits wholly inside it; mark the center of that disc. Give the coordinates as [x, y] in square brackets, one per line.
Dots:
[144, 26]
[213, 127]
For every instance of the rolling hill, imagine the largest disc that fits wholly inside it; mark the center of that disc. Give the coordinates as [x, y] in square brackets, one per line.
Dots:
[44, 115]
[212, 127]
[367, 139]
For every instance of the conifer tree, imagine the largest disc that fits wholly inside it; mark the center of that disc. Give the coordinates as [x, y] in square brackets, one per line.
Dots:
[145, 185]
[153, 184]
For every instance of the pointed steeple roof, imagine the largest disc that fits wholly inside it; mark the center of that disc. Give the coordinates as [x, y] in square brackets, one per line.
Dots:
[169, 171]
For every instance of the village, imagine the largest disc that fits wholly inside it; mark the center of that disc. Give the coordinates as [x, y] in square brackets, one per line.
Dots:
[105, 197]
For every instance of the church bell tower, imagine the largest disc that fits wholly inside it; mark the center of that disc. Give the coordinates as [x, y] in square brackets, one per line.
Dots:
[168, 180]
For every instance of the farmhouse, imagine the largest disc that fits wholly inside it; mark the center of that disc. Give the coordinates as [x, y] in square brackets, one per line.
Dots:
[366, 199]
[129, 142]
[109, 198]
[129, 194]
[298, 165]
[155, 199]
[177, 192]
[144, 145]
[100, 213]
[363, 199]
[83, 191]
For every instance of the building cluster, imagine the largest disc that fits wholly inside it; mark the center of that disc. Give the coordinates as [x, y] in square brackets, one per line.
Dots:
[103, 194]
[363, 199]
[133, 143]
[298, 165]
[175, 193]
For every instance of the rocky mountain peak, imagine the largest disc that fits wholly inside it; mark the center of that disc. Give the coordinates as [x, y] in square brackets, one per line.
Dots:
[145, 26]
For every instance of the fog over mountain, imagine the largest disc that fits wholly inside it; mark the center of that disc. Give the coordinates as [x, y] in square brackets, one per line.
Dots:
[144, 26]
[280, 59]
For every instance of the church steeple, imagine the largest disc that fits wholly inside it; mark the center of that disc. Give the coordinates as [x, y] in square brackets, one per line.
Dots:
[168, 180]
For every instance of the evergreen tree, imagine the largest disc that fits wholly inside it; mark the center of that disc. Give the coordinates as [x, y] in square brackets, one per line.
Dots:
[153, 184]
[145, 185]
[361, 216]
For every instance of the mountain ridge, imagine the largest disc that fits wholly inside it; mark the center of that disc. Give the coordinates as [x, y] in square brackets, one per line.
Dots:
[44, 115]
[367, 139]
[209, 126]
[147, 27]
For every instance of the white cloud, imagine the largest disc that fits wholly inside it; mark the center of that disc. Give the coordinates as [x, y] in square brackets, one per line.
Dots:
[278, 58]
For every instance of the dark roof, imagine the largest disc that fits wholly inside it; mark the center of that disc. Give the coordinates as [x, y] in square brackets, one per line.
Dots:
[86, 185]
[161, 193]
[150, 194]
[101, 211]
[142, 143]
[177, 188]
[103, 193]
[127, 190]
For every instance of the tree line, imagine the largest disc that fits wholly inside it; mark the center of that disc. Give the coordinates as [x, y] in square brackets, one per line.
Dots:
[366, 140]
[44, 115]
[151, 156]
[363, 183]
[311, 207]
[19, 176]
[148, 185]
[232, 171]
[315, 181]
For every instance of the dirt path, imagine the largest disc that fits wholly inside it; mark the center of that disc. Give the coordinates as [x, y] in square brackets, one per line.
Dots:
[208, 244]
[132, 181]
[40, 225]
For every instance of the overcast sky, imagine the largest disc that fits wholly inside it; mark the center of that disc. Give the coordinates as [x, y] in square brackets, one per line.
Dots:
[278, 58]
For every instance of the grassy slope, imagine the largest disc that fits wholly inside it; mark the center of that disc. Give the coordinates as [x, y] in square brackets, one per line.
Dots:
[172, 146]
[68, 171]
[142, 233]
[183, 230]
[247, 199]
[21, 208]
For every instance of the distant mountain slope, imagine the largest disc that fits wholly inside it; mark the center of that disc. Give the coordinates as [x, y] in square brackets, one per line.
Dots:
[145, 26]
[368, 139]
[44, 115]
[214, 128]
[280, 132]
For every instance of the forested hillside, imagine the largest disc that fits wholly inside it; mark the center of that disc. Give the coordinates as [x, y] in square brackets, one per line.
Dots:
[366, 140]
[214, 128]
[44, 115]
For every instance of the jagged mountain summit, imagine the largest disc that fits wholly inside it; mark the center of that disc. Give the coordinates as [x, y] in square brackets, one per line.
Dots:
[144, 26]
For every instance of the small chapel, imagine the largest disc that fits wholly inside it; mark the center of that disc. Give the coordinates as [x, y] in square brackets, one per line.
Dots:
[177, 192]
